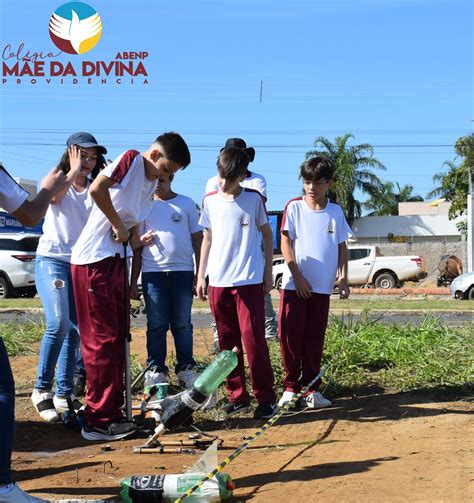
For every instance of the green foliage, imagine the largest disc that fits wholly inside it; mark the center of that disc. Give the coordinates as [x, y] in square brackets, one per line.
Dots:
[453, 184]
[385, 199]
[18, 337]
[407, 357]
[352, 170]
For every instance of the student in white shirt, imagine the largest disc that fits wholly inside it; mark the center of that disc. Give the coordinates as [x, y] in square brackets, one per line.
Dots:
[14, 199]
[64, 221]
[314, 232]
[236, 223]
[168, 281]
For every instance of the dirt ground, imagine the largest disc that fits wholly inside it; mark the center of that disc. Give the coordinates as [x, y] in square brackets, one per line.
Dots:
[371, 446]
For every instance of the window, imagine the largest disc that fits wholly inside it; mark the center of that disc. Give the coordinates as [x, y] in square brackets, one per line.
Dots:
[358, 253]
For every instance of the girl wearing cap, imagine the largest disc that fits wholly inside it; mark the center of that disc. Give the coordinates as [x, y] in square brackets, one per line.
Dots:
[64, 221]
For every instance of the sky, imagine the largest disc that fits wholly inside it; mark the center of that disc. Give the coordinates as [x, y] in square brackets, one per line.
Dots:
[395, 73]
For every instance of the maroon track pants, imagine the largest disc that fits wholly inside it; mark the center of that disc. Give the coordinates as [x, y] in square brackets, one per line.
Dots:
[103, 322]
[302, 326]
[239, 315]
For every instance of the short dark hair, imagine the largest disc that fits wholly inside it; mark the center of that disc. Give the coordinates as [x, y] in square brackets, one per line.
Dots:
[175, 148]
[316, 168]
[232, 163]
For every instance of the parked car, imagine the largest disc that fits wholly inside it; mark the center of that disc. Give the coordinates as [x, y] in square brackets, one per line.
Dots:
[17, 264]
[462, 287]
[367, 266]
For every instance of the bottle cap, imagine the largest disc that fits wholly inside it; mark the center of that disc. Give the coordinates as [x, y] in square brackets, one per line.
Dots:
[236, 350]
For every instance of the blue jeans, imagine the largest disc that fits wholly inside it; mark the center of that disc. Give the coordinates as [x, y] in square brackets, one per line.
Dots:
[7, 406]
[168, 300]
[61, 339]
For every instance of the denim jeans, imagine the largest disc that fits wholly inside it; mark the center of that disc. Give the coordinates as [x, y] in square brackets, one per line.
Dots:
[61, 339]
[168, 299]
[7, 406]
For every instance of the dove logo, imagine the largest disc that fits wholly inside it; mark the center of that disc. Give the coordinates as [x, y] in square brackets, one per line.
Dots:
[75, 27]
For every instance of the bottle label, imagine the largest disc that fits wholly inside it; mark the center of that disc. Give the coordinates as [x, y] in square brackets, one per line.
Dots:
[146, 488]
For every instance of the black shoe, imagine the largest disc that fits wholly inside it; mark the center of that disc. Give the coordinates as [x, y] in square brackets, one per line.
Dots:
[79, 385]
[237, 408]
[265, 411]
[114, 431]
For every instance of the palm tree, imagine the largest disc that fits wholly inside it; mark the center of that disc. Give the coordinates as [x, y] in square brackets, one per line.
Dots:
[352, 170]
[385, 201]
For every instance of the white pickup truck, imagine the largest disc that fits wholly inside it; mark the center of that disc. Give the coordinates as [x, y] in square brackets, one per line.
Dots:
[367, 266]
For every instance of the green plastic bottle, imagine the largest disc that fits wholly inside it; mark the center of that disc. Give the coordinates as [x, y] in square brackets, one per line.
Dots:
[215, 373]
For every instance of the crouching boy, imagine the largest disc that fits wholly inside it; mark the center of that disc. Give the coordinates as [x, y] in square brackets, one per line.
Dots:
[239, 276]
[313, 242]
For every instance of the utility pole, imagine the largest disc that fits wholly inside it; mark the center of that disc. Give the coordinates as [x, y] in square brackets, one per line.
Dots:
[470, 224]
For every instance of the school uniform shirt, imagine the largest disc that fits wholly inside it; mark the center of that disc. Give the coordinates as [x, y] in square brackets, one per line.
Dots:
[63, 224]
[172, 223]
[235, 257]
[132, 198]
[316, 236]
[12, 196]
[252, 181]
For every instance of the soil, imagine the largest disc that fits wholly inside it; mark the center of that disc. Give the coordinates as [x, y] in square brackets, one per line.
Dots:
[371, 446]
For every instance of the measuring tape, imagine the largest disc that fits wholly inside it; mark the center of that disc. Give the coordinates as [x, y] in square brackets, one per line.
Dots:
[253, 437]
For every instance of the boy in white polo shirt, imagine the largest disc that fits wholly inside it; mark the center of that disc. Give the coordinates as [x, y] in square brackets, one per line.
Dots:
[236, 223]
[168, 281]
[314, 232]
[123, 196]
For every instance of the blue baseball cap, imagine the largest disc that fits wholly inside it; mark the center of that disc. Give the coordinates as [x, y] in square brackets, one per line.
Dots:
[85, 140]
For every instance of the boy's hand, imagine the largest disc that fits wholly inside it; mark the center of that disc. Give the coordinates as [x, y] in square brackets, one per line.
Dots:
[133, 291]
[344, 291]
[267, 283]
[120, 234]
[201, 289]
[303, 288]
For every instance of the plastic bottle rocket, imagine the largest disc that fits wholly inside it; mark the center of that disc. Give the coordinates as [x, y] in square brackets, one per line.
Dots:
[176, 412]
[167, 488]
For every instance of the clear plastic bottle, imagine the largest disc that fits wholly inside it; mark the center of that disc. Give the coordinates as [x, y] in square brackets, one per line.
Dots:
[215, 373]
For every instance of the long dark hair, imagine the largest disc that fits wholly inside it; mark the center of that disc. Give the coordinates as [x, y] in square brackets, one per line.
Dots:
[65, 167]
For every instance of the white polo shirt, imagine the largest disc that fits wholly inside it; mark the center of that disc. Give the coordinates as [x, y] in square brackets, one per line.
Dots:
[132, 198]
[172, 223]
[63, 224]
[316, 236]
[236, 256]
[12, 196]
[253, 181]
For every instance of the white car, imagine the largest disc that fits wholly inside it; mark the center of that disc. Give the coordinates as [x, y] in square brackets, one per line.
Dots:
[17, 264]
[277, 271]
[462, 287]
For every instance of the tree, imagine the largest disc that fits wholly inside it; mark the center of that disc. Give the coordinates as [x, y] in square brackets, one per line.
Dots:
[453, 184]
[352, 170]
[385, 200]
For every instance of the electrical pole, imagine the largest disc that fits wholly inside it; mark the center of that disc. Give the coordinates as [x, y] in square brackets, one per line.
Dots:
[470, 224]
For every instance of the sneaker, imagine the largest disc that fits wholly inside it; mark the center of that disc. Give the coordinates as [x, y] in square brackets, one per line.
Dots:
[114, 431]
[154, 376]
[237, 408]
[315, 401]
[79, 385]
[285, 398]
[61, 405]
[13, 494]
[265, 411]
[44, 405]
[186, 378]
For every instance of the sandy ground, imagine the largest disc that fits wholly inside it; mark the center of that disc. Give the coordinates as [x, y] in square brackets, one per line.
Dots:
[371, 446]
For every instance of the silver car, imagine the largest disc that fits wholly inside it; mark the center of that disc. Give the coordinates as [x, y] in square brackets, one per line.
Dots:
[462, 287]
[17, 264]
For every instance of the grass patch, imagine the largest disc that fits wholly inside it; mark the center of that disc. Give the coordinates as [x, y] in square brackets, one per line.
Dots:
[404, 303]
[402, 358]
[18, 337]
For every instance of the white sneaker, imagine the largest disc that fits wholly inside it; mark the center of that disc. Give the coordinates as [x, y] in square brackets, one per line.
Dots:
[13, 494]
[285, 398]
[60, 403]
[315, 401]
[186, 378]
[44, 405]
[153, 376]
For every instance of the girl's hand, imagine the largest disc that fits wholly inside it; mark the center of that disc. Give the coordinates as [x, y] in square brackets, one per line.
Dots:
[201, 289]
[75, 158]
